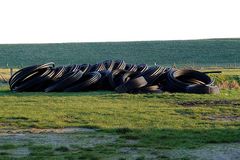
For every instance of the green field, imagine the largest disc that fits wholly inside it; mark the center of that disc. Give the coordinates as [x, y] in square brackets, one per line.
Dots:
[145, 126]
[153, 121]
[212, 52]
[107, 125]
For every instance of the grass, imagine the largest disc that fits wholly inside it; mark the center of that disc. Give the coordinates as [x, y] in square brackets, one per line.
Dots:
[209, 52]
[157, 121]
[154, 121]
[109, 110]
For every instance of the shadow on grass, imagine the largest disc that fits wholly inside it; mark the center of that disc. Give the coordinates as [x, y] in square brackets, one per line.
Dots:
[5, 91]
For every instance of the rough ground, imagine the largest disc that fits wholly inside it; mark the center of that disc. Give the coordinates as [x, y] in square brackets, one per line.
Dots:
[35, 143]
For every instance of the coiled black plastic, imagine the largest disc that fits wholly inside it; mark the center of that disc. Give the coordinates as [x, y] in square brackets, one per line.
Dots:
[110, 75]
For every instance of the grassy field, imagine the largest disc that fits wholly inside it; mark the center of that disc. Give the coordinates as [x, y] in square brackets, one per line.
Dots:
[212, 52]
[123, 126]
[152, 121]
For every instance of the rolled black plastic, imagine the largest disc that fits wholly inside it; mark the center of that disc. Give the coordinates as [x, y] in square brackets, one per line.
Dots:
[114, 75]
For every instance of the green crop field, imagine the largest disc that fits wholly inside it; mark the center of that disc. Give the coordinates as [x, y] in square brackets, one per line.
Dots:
[212, 52]
[106, 125]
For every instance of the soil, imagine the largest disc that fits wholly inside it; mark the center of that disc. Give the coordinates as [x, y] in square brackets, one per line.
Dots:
[209, 103]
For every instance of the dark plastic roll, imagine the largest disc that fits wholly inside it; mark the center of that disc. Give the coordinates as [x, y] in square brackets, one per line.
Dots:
[86, 81]
[115, 75]
[65, 81]
[190, 81]
[19, 80]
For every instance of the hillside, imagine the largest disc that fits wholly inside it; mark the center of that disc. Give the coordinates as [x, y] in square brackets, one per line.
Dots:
[209, 52]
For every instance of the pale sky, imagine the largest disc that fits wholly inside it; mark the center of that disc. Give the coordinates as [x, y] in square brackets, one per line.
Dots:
[51, 21]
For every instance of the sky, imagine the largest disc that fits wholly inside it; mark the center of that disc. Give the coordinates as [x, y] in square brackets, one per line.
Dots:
[56, 21]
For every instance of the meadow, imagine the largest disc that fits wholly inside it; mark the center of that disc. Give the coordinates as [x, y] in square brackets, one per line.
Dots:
[148, 123]
[152, 121]
[123, 126]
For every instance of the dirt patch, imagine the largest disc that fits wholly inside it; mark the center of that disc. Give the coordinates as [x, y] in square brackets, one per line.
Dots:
[20, 152]
[18, 143]
[138, 153]
[4, 124]
[56, 137]
[17, 152]
[229, 151]
[41, 131]
[131, 142]
[209, 103]
[222, 118]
